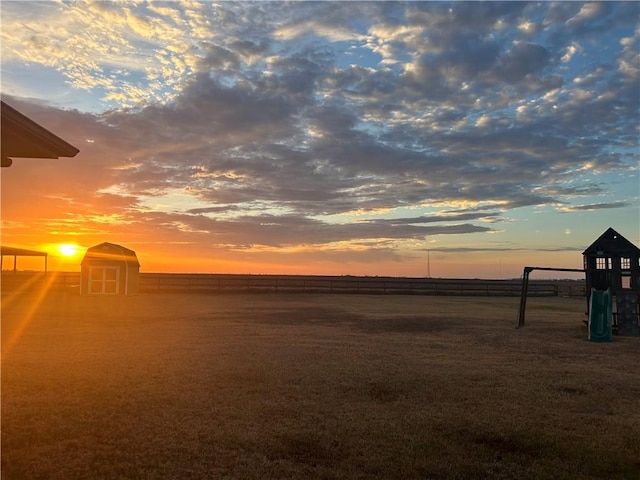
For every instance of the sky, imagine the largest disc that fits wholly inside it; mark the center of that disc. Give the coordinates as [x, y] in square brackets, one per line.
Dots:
[453, 139]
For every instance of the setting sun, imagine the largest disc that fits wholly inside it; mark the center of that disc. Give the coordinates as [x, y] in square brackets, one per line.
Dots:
[67, 249]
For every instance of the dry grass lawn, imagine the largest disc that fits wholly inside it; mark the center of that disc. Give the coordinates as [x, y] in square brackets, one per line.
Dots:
[312, 386]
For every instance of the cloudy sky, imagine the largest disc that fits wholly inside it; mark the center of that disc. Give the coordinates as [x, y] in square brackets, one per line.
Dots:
[456, 139]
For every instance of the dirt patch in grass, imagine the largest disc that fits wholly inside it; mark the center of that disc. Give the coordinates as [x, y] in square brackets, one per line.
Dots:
[312, 386]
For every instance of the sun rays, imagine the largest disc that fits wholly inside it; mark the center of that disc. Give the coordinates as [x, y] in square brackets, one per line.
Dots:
[40, 286]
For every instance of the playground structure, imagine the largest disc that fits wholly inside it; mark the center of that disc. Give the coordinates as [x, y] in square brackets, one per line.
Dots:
[612, 270]
[613, 262]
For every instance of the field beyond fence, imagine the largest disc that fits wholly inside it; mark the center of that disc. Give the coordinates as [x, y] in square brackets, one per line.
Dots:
[182, 282]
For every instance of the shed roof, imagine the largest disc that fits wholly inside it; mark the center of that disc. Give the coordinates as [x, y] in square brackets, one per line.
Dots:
[612, 242]
[24, 138]
[20, 252]
[111, 251]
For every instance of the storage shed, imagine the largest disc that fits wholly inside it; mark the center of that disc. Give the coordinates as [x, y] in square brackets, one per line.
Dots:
[109, 269]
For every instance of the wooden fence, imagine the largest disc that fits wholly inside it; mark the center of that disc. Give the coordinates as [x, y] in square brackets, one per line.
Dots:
[227, 283]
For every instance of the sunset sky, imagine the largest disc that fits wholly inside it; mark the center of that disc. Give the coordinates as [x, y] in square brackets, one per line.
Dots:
[456, 139]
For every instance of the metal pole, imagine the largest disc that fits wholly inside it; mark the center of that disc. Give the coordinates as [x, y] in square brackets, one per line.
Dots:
[523, 295]
[525, 286]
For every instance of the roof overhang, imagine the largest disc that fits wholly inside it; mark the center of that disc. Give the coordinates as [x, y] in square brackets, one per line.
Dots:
[20, 252]
[24, 138]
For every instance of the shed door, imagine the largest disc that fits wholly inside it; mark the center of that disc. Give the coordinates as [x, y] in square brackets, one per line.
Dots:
[104, 280]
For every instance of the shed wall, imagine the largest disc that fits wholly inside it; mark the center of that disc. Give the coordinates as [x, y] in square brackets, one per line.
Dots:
[109, 277]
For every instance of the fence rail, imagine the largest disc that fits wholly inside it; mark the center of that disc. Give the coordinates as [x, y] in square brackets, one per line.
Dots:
[227, 283]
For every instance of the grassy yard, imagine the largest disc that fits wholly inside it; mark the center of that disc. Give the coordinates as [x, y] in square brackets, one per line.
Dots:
[313, 386]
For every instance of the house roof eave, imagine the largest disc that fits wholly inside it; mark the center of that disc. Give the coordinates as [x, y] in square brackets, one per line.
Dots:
[24, 138]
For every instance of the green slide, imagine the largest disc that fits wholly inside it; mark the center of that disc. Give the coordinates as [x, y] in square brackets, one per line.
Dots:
[600, 316]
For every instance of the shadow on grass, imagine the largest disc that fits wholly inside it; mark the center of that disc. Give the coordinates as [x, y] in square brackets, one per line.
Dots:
[521, 454]
[362, 323]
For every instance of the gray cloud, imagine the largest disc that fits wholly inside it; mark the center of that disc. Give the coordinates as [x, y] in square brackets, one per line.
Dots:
[598, 206]
[505, 249]
[288, 230]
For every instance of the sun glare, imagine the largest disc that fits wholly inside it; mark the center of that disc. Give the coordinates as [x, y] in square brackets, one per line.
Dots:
[67, 249]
